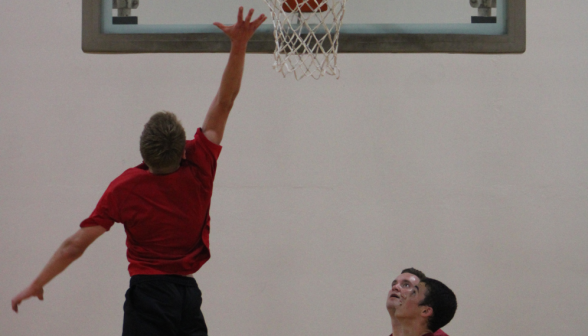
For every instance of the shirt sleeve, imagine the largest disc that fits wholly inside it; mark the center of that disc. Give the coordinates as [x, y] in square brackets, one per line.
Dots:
[203, 153]
[105, 213]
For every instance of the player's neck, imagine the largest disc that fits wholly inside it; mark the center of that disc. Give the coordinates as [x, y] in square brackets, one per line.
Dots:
[395, 322]
[164, 171]
[411, 327]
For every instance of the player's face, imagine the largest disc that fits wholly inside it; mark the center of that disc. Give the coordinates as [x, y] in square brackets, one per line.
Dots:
[401, 287]
[409, 304]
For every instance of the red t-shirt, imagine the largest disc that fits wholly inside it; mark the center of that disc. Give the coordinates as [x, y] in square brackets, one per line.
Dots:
[436, 333]
[165, 216]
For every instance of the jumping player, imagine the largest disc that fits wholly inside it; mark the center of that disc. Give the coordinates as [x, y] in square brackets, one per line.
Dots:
[403, 285]
[425, 308]
[163, 204]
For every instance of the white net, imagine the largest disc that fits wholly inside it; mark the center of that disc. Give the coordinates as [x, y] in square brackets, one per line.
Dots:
[307, 36]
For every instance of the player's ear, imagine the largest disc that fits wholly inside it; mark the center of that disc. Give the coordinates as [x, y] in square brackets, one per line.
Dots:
[426, 311]
[184, 155]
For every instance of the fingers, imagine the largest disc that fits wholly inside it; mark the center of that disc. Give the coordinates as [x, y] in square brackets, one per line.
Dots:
[25, 294]
[249, 15]
[243, 26]
[220, 26]
[240, 15]
[259, 21]
[247, 19]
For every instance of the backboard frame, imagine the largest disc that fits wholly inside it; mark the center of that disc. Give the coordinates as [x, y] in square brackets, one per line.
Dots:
[513, 41]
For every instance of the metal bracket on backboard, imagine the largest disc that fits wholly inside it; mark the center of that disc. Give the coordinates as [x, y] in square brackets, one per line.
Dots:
[513, 41]
[484, 11]
[124, 11]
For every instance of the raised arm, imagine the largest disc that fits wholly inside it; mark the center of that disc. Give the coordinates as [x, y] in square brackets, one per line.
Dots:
[71, 249]
[218, 113]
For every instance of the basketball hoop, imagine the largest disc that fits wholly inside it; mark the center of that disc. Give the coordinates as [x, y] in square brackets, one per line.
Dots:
[307, 36]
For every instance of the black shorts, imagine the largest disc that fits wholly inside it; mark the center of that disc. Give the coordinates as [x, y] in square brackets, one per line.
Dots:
[163, 305]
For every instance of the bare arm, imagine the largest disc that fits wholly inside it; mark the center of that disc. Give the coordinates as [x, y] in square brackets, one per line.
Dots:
[71, 249]
[218, 113]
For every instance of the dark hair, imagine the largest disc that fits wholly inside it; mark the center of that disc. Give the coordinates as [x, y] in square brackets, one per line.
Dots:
[414, 271]
[162, 141]
[442, 300]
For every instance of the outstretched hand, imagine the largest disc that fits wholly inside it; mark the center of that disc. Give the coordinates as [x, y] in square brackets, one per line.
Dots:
[243, 29]
[26, 294]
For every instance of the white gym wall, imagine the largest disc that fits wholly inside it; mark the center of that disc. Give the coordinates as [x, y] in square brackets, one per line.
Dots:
[472, 168]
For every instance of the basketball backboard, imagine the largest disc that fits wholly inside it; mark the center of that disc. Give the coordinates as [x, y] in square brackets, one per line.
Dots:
[372, 26]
